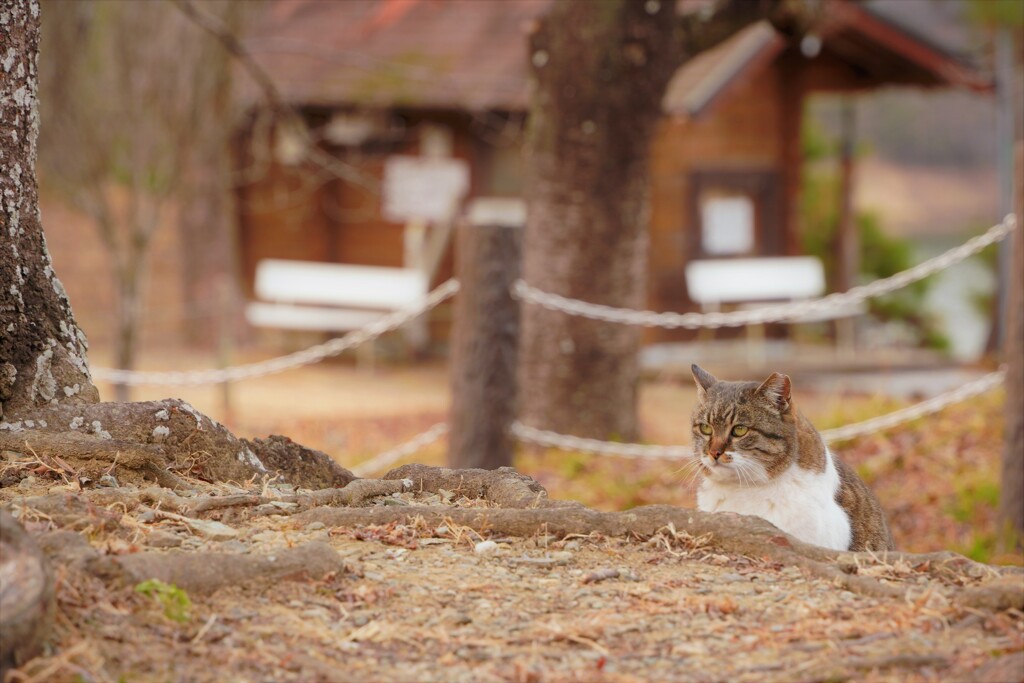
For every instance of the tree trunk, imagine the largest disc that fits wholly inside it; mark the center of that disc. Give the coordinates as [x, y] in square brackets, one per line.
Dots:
[1011, 500]
[42, 351]
[600, 71]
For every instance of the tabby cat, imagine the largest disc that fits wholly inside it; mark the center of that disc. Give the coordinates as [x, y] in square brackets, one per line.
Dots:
[759, 456]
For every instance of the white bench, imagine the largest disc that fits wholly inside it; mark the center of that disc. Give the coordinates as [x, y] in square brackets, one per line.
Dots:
[754, 282]
[330, 297]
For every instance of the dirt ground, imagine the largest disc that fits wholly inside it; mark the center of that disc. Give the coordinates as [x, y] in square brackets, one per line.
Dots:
[430, 599]
[267, 583]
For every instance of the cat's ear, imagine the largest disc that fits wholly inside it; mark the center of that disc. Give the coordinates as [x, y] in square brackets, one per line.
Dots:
[778, 390]
[704, 379]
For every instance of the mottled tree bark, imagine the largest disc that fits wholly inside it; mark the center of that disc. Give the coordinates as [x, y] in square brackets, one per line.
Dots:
[49, 406]
[42, 351]
[601, 70]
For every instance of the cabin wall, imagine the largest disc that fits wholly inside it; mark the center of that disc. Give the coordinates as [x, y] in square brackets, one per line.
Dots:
[287, 212]
[741, 135]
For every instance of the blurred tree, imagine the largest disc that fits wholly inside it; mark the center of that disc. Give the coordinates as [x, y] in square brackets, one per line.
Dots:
[1011, 497]
[133, 122]
[208, 219]
[1005, 19]
[600, 70]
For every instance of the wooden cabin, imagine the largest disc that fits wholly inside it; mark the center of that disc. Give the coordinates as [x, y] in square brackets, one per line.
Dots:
[448, 81]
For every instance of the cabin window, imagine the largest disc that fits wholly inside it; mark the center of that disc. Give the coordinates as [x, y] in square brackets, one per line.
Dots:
[727, 222]
[735, 213]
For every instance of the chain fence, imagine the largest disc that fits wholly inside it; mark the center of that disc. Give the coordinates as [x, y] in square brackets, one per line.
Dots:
[838, 301]
[524, 292]
[541, 437]
[548, 439]
[313, 354]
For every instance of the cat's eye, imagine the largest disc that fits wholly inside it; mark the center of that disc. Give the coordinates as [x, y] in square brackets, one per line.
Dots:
[739, 430]
[704, 428]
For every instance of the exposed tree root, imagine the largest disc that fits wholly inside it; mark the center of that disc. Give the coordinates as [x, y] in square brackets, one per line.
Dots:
[66, 508]
[205, 572]
[145, 441]
[729, 533]
[355, 493]
[26, 595]
[1005, 669]
[1006, 592]
[88, 456]
[503, 486]
[71, 511]
[525, 510]
[304, 467]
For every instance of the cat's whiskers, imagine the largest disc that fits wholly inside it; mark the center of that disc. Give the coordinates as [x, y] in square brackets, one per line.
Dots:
[742, 470]
[689, 470]
[747, 471]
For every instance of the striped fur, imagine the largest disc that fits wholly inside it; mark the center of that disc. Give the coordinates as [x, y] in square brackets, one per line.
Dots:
[760, 456]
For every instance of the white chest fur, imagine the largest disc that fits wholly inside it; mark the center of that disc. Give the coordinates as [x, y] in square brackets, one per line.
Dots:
[800, 502]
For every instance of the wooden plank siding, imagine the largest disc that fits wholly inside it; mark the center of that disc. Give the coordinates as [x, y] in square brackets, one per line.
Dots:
[742, 137]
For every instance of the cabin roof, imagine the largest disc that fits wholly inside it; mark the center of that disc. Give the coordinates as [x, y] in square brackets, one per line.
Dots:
[472, 55]
[448, 54]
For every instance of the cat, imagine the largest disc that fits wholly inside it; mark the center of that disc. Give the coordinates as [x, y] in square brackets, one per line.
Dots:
[760, 456]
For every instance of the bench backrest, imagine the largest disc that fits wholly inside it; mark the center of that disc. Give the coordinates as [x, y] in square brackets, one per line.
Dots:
[335, 284]
[755, 279]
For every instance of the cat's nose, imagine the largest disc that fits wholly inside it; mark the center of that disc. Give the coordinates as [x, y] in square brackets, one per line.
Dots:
[716, 453]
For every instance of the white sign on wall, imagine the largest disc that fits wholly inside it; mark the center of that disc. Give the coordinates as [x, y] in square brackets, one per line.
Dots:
[423, 188]
[727, 225]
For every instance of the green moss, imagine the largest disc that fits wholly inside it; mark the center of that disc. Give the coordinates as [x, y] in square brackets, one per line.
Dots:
[174, 601]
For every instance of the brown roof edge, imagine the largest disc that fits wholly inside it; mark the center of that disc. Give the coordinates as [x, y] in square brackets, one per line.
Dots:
[945, 66]
[708, 77]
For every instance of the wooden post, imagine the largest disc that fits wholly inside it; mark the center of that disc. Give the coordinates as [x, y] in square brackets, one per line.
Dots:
[1011, 497]
[847, 242]
[486, 334]
[791, 120]
[225, 343]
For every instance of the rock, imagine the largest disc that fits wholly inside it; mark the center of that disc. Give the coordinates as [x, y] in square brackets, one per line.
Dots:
[26, 595]
[266, 536]
[485, 547]
[158, 538]
[234, 547]
[207, 528]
